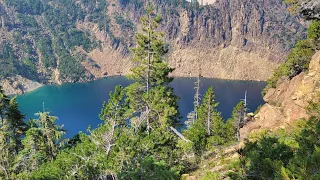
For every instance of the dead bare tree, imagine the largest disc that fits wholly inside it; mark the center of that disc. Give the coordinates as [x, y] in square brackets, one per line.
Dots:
[241, 113]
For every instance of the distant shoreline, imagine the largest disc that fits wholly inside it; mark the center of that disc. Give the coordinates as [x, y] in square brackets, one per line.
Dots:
[18, 85]
[29, 86]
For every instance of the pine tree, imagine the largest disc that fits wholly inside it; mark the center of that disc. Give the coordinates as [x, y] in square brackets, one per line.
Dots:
[238, 114]
[208, 128]
[151, 101]
[51, 133]
[12, 129]
[14, 124]
[152, 105]
[42, 143]
[116, 109]
[4, 101]
[34, 152]
[207, 112]
[150, 69]
[114, 114]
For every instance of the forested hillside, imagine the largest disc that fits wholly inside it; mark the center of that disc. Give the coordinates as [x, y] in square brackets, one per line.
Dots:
[54, 41]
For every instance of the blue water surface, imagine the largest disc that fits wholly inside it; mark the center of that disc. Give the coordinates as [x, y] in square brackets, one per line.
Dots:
[78, 105]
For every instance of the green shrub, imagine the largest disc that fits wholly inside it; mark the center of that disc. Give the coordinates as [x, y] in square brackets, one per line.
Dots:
[314, 30]
[299, 58]
[124, 23]
[211, 176]
[297, 61]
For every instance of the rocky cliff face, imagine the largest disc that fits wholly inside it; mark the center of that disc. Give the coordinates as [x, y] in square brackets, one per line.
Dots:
[18, 85]
[288, 102]
[58, 41]
[228, 39]
[310, 9]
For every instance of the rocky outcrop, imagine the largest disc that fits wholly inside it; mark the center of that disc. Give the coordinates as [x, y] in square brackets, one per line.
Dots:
[227, 39]
[310, 9]
[18, 85]
[288, 102]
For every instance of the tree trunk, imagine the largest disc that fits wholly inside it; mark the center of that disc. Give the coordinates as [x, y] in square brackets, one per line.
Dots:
[148, 71]
[179, 134]
[209, 116]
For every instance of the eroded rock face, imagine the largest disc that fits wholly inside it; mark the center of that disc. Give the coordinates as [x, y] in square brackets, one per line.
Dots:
[310, 9]
[287, 103]
[229, 39]
[18, 85]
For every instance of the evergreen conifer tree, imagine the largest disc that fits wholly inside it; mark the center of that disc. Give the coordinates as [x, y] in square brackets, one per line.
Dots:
[207, 112]
[238, 114]
[152, 105]
[4, 101]
[12, 130]
[151, 101]
[14, 124]
[114, 114]
[51, 133]
[34, 152]
[42, 143]
[208, 128]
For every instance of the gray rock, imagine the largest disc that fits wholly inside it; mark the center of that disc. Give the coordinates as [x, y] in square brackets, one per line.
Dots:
[310, 9]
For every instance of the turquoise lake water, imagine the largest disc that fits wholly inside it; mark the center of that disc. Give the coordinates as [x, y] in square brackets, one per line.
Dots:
[78, 105]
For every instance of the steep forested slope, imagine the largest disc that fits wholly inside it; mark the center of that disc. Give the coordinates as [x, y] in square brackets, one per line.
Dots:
[54, 41]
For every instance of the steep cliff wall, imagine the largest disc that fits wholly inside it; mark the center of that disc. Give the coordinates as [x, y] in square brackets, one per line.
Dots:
[72, 41]
[229, 39]
[288, 102]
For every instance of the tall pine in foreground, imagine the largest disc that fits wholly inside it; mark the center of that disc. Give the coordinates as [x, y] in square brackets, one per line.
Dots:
[152, 102]
[14, 124]
[12, 130]
[42, 143]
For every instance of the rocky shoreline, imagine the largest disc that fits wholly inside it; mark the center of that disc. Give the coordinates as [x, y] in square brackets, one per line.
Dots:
[18, 85]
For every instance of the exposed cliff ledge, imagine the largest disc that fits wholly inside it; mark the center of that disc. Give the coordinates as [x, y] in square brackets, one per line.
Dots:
[287, 103]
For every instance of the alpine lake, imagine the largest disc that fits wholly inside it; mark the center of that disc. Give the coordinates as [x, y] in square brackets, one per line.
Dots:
[78, 106]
